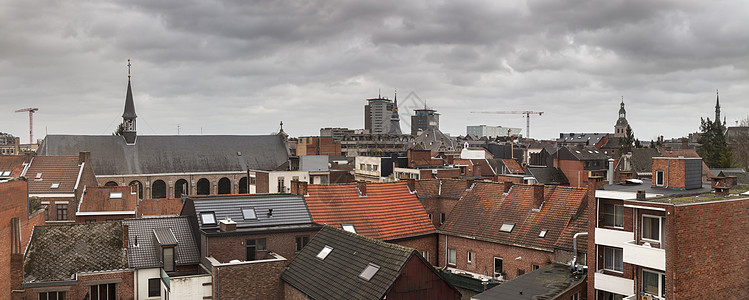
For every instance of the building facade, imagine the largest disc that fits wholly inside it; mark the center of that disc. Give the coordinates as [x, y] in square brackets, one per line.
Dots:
[424, 119]
[492, 131]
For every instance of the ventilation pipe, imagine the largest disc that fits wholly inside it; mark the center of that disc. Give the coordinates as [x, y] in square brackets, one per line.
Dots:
[573, 264]
[611, 171]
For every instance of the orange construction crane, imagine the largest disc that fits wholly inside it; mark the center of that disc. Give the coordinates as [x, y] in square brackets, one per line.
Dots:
[527, 114]
[31, 121]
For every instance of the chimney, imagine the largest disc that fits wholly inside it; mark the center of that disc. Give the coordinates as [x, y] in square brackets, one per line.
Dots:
[227, 225]
[18, 145]
[27, 156]
[640, 195]
[84, 156]
[538, 195]
[295, 187]
[469, 183]
[362, 186]
[611, 171]
[507, 186]
[411, 183]
[125, 235]
[301, 188]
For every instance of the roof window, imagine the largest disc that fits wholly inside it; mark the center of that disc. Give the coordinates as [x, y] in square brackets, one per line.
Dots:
[248, 213]
[208, 218]
[55, 185]
[324, 252]
[349, 227]
[114, 195]
[543, 233]
[369, 271]
[507, 227]
[6, 173]
[38, 175]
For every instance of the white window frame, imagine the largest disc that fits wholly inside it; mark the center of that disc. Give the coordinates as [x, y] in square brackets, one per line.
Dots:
[660, 283]
[425, 254]
[348, 227]
[469, 257]
[660, 229]
[494, 266]
[603, 207]
[455, 256]
[663, 178]
[613, 249]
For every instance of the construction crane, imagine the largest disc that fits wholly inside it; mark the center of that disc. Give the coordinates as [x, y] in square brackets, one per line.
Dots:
[31, 121]
[527, 114]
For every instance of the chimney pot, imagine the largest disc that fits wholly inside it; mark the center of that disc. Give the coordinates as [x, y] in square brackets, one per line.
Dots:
[538, 195]
[125, 235]
[84, 156]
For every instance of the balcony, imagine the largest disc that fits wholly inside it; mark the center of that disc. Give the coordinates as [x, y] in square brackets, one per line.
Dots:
[645, 256]
[614, 284]
[613, 238]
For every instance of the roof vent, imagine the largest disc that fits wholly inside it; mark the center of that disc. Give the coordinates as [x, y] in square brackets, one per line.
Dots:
[270, 212]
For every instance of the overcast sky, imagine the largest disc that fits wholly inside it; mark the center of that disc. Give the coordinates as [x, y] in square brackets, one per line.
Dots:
[241, 67]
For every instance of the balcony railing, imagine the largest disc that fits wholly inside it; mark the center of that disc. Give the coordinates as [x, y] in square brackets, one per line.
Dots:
[645, 256]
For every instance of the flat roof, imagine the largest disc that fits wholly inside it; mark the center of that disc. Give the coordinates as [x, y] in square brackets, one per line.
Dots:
[547, 282]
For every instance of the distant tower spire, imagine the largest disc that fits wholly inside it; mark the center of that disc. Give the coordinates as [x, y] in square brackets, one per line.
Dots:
[379, 93]
[620, 129]
[717, 107]
[129, 116]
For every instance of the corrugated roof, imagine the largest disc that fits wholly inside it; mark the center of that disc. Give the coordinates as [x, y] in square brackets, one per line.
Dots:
[54, 169]
[154, 154]
[485, 208]
[287, 209]
[171, 231]
[59, 251]
[337, 276]
[388, 211]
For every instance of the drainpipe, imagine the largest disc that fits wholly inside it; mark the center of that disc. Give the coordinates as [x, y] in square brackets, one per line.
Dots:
[573, 265]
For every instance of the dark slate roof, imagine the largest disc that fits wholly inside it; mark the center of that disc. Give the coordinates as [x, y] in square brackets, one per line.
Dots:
[547, 175]
[168, 230]
[337, 276]
[58, 251]
[129, 104]
[434, 140]
[548, 282]
[588, 138]
[642, 159]
[154, 154]
[647, 186]
[287, 209]
[587, 153]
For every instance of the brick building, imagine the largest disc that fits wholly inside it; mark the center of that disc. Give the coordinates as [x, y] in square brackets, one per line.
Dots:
[77, 261]
[318, 145]
[389, 212]
[581, 166]
[504, 230]
[439, 196]
[345, 265]
[99, 204]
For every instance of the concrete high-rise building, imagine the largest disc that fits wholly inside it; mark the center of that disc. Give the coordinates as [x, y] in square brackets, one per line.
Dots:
[381, 116]
[424, 119]
[492, 131]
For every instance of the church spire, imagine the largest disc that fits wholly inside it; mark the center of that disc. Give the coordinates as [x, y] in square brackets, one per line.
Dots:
[129, 116]
[717, 107]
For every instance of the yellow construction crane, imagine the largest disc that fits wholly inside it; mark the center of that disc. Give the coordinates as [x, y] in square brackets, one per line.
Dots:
[527, 114]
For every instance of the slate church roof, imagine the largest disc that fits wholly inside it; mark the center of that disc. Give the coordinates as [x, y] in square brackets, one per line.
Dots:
[157, 154]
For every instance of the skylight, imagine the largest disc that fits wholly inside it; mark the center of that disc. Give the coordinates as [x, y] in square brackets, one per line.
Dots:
[349, 227]
[114, 195]
[208, 218]
[369, 271]
[55, 185]
[38, 175]
[507, 227]
[248, 213]
[6, 173]
[324, 252]
[543, 233]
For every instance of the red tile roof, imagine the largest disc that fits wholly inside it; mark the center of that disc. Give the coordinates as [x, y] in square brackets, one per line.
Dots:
[96, 199]
[689, 153]
[13, 163]
[159, 207]
[513, 166]
[389, 210]
[485, 208]
[441, 188]
[55, 169]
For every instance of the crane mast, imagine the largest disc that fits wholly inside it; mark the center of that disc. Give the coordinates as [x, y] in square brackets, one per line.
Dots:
[31, 121]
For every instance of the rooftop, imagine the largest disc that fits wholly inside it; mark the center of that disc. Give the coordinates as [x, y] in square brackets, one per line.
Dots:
[250, 211]
[151, 233]
[548, 282]
[53, 174]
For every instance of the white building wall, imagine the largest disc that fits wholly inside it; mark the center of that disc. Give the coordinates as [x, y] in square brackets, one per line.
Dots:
[492, 131]
[141, 285]
[287, 177]
[190, 287]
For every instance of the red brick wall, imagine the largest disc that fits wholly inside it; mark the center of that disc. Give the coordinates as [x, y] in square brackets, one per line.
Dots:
[417, 281]
[227, 248]
[14, 204]
[706, 253]
[421, 244]
[102, 218]
[575, 172]
[437, 206]
[259, 280]
[673, 172]
[291, 293]
[505, 178]
[484, 253]
[125, 286]
[262, 182]
[448, 173]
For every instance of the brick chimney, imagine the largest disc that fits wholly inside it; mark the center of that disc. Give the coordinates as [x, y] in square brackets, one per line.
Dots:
[411, 183]
[227, 225]
[27, 156]
[362, 186]
[299, 188]
[84, 156]
[469, 183]
[17, 146]
[507, 186]
[538, 195]
[125, 236]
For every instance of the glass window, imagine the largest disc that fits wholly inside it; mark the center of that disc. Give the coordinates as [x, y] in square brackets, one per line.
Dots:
[651, 228]
[103, 292]
[52, 296]
[249, 213]
[154, 287]
[349, 228]
[208, 218]
[114, 195]
[470, 257]
[543, 233]
[324, 252]
[168, 254]
[451, 253]
[442, 218]
[613, 215]
[658, 177]
[507, 227]
[301, 241]
[62, 211]
[369, 271]
[613, 259]
[425, 254]
[652, 283]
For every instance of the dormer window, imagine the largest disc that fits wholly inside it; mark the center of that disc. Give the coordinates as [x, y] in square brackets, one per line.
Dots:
[55, 185]
[248, 213]
[324, 252]
[115, 196]
[208, 218]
